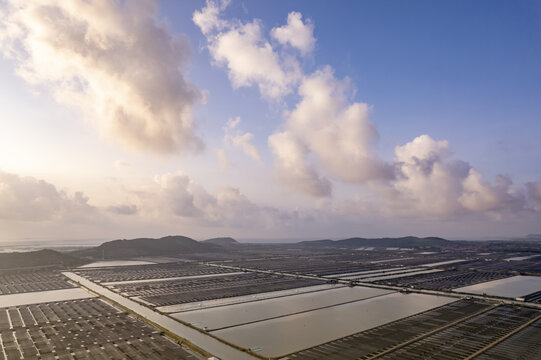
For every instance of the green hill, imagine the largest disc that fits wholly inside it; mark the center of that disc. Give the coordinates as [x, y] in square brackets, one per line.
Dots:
[166, 246]
[39, 258]
[222, 241]
[402, 242]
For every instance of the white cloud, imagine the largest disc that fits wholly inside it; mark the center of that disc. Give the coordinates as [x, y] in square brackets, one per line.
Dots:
[79, 51]
[296, 33]
[292, 167]
[208, 19]
[480, 196]
[244, 142]
[325, 133]
[328, 137]
[238, 138]
[431, 184]
[176, 196]
[30, 199]
[428, 183]
[336, 134]
[246, 53]
[222, 159]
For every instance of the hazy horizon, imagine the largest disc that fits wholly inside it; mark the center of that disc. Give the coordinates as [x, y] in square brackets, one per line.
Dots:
[36, 244]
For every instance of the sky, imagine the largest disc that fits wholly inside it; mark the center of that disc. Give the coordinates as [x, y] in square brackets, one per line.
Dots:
[266, 119]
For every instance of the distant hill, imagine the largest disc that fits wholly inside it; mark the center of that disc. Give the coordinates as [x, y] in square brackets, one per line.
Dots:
[222, 241]
[39, 258]
[166, 246]
[402, 242]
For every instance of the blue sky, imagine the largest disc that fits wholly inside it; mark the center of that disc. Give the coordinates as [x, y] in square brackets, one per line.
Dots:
[455, 70]
[465, 74]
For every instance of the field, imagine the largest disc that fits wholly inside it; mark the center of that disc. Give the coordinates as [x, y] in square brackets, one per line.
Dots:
[272, 302]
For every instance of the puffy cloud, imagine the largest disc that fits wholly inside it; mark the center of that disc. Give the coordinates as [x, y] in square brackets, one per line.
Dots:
[235, 136]
[326, 136]
[208, 18]
[325, 133]
[422, 153]
[340, 134]
[296, 33]
[430, 183]
[30, 199]
[480, 196]
[79, 50]
[177, 196]
[292, 167]
[246, 53]
[337, 134]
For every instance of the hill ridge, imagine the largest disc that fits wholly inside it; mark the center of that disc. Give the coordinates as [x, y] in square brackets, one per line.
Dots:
[400, 242]
[129, 248]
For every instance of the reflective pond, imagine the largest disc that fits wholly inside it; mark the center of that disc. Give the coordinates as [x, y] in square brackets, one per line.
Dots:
[516, 286]
[292, 333]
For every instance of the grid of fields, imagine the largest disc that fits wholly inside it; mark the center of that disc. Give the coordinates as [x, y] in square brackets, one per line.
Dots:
[464, 339]
[373, 341]
[453, 331]
[308, 265]
[155, 271]
[263, 304]
[446, 280]
[524, 345]
[162, 293]
[80, 329]
[29, 281]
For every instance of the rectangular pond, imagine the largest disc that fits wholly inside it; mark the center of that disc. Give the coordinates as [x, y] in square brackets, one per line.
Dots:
[516, 286]
[363, 272]
[38, 297]
[386, 273]
[245, 298]
[233, 315]
[281, 336]
[442, 263]
[396, 276]
[169, 279]
[115, 263]
[520, 258]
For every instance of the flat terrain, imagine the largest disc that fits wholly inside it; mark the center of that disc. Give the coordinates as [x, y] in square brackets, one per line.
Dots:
[22, 282]
[427, 299]
[80, 329]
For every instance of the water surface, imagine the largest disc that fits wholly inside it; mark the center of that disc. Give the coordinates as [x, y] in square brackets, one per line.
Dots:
[444, 263]
[516, 286]
[38, 297]
[112, 263]
[292, 333]
[520, 258]
[396, 276]
[245, 298]
[170, 278]
[232, 315]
